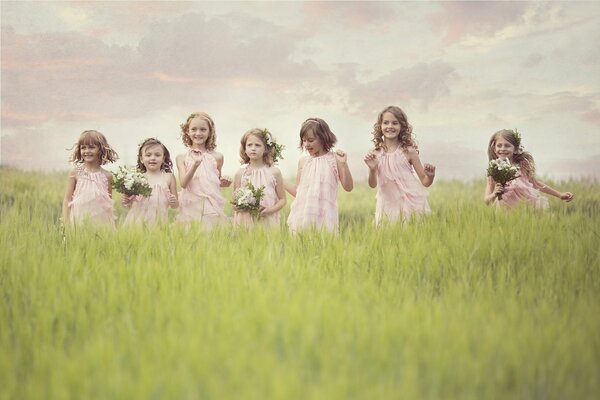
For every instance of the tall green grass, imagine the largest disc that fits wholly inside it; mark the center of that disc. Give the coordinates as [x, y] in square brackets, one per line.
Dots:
[467, 303]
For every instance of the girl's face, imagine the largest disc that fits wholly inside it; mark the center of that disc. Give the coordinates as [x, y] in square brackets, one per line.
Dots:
[255, 148]
[503, 148]
[312, 143]
[390, 126]
[153, 157]
[90, 153]
[198, 132]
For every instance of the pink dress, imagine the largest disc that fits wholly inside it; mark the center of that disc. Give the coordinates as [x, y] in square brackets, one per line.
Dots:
[521, 190]
[91, 200]
[400, 194]
[154, 209]
[259, 177]
[315, 205]
[201, 200]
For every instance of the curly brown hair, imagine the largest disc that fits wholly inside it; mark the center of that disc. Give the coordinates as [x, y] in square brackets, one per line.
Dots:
[261, 134]
[95, 138]
[166, 166]
[523, 158]
[406, 137]
[321, 131]
[211, 141]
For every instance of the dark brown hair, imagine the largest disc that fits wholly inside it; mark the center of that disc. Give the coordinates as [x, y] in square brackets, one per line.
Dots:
[166, 166]
[321, 131]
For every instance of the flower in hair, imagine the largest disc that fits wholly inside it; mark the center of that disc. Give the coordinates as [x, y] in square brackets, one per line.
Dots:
[518, 140]
[273, 145]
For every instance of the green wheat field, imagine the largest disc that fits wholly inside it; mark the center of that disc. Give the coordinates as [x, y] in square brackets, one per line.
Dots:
[469, 303]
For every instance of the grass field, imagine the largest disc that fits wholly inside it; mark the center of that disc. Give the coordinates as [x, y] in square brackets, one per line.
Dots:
[469, 303]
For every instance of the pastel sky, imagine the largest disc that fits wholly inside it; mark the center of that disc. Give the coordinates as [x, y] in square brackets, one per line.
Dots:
[460, 71]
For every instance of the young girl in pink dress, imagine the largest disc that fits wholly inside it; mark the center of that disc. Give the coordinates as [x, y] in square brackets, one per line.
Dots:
[89, 188]
[155, 162]
[392, 165]
[200, 173]
[315, 204]
[259, 151]
[526, 187]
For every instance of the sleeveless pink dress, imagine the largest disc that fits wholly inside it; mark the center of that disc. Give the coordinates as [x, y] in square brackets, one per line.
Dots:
[521, 190]
[201, 200]
[91, 200]
[315, 205]
[400, 194]
[154, 209]
[259, 177]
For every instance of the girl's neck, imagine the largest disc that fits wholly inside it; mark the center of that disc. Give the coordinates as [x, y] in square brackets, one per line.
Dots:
[153, 173]
[92, 166]
[256, 164]
[391, 145]
[199, 147]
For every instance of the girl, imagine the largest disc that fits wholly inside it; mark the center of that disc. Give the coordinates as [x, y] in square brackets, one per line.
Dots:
[392, 164]
[315, 205]
[200, 173]
[155, 161]
[526, 187]
[89, 187]
[258, 151]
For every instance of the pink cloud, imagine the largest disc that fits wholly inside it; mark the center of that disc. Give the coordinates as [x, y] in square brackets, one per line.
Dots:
[187, 60]
[461, 19]
[592, 116]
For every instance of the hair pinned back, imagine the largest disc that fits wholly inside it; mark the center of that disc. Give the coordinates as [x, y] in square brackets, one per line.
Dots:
[92, 137]
[167, 164]
[321, 131]
[523, 158]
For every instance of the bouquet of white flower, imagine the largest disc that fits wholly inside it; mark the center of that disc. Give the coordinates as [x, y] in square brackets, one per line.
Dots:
[131, 182]
[248, 198]
[502, 172]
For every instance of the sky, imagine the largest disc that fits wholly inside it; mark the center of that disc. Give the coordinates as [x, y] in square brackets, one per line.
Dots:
[460, 70]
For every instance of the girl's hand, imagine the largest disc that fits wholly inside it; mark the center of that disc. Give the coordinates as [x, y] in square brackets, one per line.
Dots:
[371, 160]
[265, 211]
[225, 181]
[498, 189]
[197, 156]
[566, 196]
[341, 156]
[173, 203]
[127, 200]
[429, 170]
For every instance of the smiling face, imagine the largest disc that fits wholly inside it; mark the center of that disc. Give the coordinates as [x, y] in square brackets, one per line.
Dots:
[255, 148]
[153, 157]
[90, 153]
[503, 148]
[390, 126]
[198, 132]
[312, 143]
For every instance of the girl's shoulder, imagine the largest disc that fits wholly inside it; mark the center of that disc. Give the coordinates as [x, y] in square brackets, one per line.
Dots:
[217, 156]
[107, 174]
[276, 172]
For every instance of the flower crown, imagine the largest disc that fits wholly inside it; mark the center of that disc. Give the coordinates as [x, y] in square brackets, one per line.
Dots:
[273, 145]
[517, 140]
